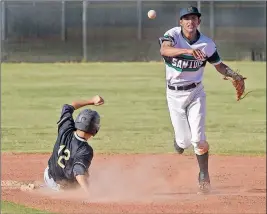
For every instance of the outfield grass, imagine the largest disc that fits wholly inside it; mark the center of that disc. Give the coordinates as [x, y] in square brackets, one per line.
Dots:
[11, 208]
[135, 118]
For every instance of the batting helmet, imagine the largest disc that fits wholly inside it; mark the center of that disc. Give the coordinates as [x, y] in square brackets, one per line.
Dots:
[88, 121]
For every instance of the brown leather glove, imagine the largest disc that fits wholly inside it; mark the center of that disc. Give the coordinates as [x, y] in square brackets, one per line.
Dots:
[239, 84]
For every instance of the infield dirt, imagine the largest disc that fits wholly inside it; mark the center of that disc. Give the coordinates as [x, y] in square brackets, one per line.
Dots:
[143, 184]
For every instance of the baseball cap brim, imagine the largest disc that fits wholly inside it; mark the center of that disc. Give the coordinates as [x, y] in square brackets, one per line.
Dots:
[198, 14]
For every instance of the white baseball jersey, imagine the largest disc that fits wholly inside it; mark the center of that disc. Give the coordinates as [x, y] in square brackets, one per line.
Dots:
[185, 69]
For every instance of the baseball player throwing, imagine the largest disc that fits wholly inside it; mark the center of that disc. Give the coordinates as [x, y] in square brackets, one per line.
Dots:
[185, 52]
[72, 155]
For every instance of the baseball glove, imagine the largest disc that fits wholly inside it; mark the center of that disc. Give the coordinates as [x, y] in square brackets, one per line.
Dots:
[239, 84]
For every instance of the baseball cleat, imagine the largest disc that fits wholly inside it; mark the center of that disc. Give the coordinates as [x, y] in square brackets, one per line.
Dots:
[27, 187]
[204, 187]
[204, 183]
[178, 148]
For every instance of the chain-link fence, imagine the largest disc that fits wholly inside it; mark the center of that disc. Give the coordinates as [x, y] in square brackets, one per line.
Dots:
[49, 31]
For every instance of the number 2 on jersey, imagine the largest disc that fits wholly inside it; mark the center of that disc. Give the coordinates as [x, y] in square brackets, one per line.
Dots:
[65, 156]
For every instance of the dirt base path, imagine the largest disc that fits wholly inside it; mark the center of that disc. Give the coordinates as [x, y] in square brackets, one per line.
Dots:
[144, 184]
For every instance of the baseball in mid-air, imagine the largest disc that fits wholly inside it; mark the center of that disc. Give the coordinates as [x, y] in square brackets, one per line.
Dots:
[152, 14]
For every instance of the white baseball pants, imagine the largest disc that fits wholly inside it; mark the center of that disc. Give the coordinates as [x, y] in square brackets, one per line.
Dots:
[187, 112]
[50, 183]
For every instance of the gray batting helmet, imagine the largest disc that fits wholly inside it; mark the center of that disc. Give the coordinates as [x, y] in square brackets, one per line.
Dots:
[88, 121]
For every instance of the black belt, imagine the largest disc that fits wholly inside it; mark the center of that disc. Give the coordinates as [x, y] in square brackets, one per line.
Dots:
[183, 88]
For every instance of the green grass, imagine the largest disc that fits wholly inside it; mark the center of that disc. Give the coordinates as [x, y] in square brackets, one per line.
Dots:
[135, 118]
[12, 208]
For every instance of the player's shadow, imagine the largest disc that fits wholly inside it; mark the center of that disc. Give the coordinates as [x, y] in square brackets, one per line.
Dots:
[220, 190]
[256, 190]
[174, 193]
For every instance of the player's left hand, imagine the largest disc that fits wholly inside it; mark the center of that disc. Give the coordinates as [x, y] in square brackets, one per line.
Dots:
[239, 85]
[98, 100]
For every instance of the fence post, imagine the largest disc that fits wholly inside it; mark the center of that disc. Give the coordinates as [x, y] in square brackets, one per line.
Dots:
[3, 19]
[212, 19]
[84, 29]
[63, 20]
[139, 19]
[199, 8]
[1, 35]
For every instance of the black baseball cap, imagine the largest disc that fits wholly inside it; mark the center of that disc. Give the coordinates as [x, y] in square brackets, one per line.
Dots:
[189, 10]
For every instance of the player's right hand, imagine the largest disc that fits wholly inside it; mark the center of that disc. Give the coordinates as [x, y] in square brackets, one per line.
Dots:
[198, 54]
[98, 100]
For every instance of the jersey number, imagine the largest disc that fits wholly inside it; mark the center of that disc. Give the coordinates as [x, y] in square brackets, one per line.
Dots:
[65, 156]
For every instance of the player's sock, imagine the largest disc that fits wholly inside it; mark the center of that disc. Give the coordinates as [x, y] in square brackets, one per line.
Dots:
[203, 162]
